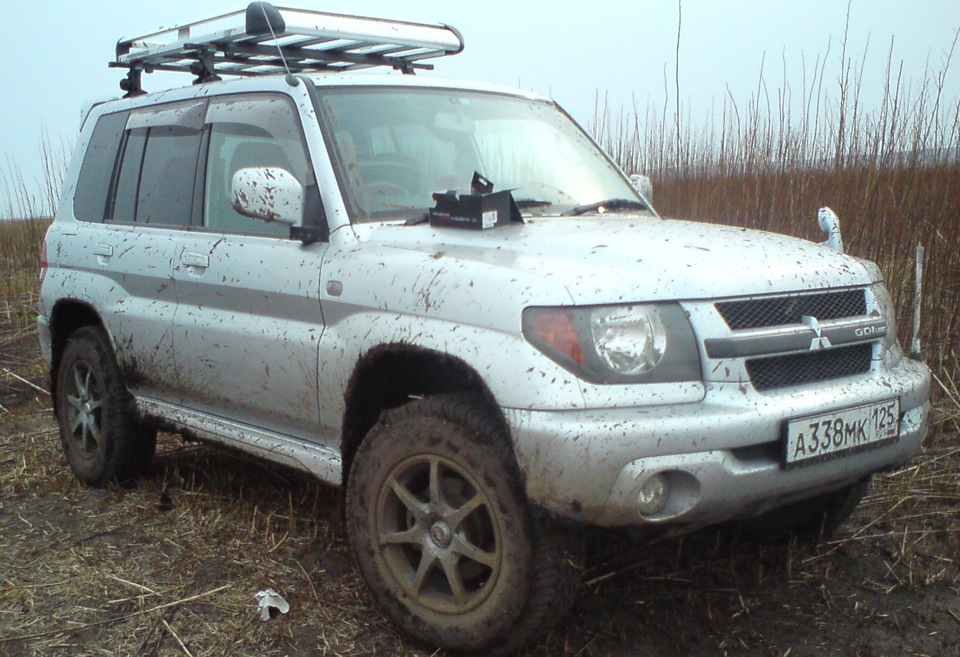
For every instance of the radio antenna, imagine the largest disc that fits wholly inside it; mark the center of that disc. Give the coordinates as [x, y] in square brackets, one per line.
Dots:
[292, 81]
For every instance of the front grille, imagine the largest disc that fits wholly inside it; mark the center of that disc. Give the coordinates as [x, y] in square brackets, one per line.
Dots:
[779, 311]
[796, 369]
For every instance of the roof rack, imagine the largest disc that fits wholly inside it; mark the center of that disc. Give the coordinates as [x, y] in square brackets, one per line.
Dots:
[266, 40]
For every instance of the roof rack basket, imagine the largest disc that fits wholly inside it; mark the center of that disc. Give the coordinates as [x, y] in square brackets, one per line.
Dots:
[266, 40]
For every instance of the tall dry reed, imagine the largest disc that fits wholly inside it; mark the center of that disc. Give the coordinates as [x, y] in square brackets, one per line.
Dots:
[31, 199]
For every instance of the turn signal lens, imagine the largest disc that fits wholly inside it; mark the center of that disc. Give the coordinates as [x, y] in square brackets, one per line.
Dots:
[555, 329]
[43, 262]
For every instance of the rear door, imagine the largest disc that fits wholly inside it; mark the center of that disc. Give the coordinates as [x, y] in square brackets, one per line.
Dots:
[248, 320]
[134, 200]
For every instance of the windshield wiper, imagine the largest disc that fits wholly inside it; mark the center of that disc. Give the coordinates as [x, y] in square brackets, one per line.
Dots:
[609, 204]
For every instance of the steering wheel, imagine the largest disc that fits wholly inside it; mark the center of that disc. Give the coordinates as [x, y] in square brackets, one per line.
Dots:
[392, 168]
[375, 196]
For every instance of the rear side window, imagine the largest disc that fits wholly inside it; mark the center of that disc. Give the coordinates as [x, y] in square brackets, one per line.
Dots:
[168, 175]
[128, 177]
[93, 185]
[157, 173]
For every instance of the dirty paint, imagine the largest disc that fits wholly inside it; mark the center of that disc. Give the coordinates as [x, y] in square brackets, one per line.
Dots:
[269, 194]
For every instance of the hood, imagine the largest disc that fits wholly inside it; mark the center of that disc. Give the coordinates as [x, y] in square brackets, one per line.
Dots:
[632, 258]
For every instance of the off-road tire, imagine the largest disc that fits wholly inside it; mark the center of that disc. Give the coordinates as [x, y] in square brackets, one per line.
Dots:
[99, 431]
[508, 573]
[816, 518]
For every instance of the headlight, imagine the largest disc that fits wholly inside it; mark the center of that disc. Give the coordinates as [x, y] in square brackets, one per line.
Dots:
[630, 340]
[640, 343]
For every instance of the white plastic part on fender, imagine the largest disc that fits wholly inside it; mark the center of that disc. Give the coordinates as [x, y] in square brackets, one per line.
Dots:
[830, 224]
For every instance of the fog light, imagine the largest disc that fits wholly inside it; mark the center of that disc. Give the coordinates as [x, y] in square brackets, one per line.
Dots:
[653, 495]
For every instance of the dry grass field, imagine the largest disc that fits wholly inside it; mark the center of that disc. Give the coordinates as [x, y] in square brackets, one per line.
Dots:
[170, 565]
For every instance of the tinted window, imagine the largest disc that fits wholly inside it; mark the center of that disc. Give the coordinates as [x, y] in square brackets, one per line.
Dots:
[155, 178]
[168, 176]
[128, 177]
[93, 186]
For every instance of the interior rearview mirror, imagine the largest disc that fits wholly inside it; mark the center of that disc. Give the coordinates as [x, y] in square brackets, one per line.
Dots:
[452, 122]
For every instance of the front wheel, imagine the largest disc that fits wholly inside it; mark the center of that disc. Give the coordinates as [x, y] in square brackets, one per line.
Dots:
[443, 535]
[98, 428]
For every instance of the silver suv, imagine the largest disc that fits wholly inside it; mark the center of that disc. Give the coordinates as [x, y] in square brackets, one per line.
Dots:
[447, 299]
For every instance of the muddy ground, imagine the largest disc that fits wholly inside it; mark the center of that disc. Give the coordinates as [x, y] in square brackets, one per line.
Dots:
[170, 566]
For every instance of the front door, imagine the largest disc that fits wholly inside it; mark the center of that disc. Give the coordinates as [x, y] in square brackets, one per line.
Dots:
[248, 318]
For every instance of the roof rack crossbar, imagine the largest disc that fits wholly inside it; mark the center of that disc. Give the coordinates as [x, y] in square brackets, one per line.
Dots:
[307, 57]
[309, 41]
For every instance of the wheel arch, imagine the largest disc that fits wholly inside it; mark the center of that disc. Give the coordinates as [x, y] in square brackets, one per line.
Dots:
[390, 375]
[67, 316]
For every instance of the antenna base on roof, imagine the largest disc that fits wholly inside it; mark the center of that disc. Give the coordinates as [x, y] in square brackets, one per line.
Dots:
[263, 19]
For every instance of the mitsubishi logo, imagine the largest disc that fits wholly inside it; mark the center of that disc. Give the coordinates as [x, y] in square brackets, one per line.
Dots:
[813, 324]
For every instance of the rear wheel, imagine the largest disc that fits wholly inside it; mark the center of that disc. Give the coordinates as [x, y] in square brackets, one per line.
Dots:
[99, 431]
[443, 534]
[818, 517]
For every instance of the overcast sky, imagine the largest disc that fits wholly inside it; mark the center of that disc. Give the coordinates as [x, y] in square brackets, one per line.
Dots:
[55, 52]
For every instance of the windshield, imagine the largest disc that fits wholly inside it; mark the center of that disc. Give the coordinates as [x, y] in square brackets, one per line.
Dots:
[396, 147]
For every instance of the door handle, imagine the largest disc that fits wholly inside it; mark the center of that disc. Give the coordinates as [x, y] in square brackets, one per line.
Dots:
[195, 259]
[103, 250]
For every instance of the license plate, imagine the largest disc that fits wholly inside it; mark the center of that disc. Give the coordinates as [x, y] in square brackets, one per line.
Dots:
[820, 437]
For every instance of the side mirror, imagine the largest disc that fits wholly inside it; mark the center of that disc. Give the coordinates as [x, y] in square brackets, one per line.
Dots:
[642, 184]
[269, 194]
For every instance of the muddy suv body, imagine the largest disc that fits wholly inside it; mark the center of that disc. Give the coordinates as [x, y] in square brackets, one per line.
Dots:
[256, 263]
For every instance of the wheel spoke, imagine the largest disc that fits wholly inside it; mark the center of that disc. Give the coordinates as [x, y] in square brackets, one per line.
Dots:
[408, 499]
[77, 422]
[94, 430]
[80, 380]
[452, 574]
[89, 443]
[414, 536]
[456, 518]
[462, 546]
[75, 402]
[435, 498]
[426, 565]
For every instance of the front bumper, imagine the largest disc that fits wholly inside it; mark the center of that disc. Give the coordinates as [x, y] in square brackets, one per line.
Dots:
[721, 456]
